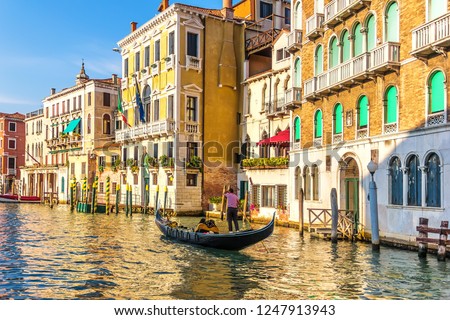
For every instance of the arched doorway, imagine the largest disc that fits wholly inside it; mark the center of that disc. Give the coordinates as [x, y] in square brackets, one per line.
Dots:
[350, 187]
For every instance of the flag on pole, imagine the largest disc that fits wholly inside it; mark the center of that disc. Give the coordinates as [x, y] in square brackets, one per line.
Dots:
[120, 109]
[139, 103]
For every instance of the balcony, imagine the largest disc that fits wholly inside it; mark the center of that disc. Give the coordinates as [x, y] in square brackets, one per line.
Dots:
[385, 57]
[362, 133]
[191, 127]
[339, 137]
[339, 10]
[437, 118]
[193, 63]
[294, 41]
[12, 172]
[432, 37]
[293, 97]
[146, 130]
[155, 68]
[170, 61]
[390, 128]
[314, 26]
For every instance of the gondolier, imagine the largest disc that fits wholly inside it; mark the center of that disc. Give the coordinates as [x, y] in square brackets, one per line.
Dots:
[232, 210]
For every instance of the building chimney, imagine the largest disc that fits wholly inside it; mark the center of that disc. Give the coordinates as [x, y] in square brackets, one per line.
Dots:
[163, 6]
[227, 9]
[52, 91]
[114, 78]
[133, 26]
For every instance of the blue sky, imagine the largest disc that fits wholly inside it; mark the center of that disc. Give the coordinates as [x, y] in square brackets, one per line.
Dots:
[44, 41]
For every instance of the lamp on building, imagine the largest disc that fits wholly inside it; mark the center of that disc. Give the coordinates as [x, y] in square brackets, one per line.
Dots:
[372, 167]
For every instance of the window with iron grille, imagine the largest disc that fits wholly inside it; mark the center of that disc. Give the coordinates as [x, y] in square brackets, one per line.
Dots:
[281, 196]
[101, 187]
[255, 196]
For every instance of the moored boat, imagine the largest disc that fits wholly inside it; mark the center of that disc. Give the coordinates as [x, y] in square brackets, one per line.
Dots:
[227, 241]
[14, 198]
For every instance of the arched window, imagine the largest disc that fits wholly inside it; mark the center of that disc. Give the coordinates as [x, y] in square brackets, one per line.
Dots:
[436, 92]
[318, 124]
[396, 181]
[363, 112]
[392, 23]
[358, 40]
[147, 103]
[62, 185]
[298, 73]
[89, 124]
[337, 118]
[315, 182]
[433, 190]
[334, 53]
[307, 182]
[298, 15]
[371, 33]
[391, 104]
[264, 149]
[297, 129]
[249, 101]
[318, 60]
[263, 97]
[298, 181]
[436, 8]
[106, 124]
[414, 181]
[345, 41]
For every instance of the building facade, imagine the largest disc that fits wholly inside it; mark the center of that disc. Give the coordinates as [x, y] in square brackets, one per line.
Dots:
[12, 151]
[185, 136]
[373, 75]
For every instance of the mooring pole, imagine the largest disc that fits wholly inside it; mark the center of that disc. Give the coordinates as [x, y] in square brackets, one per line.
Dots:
[126, 199]
[156, 197]
[423, 246]
[108, 182]
[334, 215]
[372, 167]
[442, 241]
[165, 200]
[300, 211]
[117, 197]
[131, 200]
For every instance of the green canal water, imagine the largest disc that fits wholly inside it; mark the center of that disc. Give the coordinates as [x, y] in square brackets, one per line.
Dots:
[55, 254]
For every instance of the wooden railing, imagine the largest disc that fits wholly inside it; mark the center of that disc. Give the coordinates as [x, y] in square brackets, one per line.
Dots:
[321, 218]
[262, 39]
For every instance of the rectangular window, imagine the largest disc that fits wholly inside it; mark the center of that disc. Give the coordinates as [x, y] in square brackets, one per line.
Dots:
[171, 42]
[157, 50]
[155, 151]
[192, 150]
[192, 44]
[155, 179]
[83, 168]
[268, 195]
[136, 154]
[191, 180]
[79, 102]
[124, 155]
[135, 179]
[125, 68]
[68, 105]
[106, 99]
[11, 163]
[170, 107]
[12, 144]
[1, 143]
[74, 103]
[170, 149]
[265, 10]
[89, 98]
[255, 197]
[113, 187]
[72, 168]
[101, 161]
[280, 54]
[287, 16]
[146, 56]
[137, 62]
[191, 109]
[113, 161]
[156, 110]
[282, 196]
[12, 127]
[101, 187]
[63, 107]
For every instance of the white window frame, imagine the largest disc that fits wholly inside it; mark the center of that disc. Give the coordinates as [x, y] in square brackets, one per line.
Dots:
[15, 126]
[15, 143]
[194, 31]
[15, 163]
[197, 111]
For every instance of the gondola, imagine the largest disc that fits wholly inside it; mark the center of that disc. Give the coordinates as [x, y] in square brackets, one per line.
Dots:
[227, 241]
[14, 198]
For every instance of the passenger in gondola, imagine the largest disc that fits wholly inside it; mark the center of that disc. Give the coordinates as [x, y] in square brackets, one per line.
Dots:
[206, 226]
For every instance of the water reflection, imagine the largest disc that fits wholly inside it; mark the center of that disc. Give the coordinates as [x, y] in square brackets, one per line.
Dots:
[55, 254]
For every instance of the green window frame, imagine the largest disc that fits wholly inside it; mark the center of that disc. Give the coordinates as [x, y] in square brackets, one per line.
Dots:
[358, 40]
[391, 105]
[371, 33]
[345, 46]
[436, 92]
[363, 112]
[338, 119]
[334, 52]
[297, 129]
[318, 124]
[318, 60]
[392, 22]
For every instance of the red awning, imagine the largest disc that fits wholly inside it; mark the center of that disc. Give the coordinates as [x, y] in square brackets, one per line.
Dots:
[282, 137]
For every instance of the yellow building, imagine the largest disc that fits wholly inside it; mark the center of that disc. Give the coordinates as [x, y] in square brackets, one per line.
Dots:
[186, 64]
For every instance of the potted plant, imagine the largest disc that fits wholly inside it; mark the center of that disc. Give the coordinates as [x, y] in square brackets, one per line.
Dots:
[101, 169]
[195, 162]
[130, 162]
[216, 202]
[150, 162]
[134, 169]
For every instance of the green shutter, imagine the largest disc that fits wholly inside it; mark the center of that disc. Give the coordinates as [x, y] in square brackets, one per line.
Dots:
[358, 42]
[392, 22]
[334, 53]
[371, 33]
[363, 111]
[345, 46]
[437, 92]
[318, 124]
[319, 60]
[297, 129]
[338, 119]
[391, 105]
[298, 73]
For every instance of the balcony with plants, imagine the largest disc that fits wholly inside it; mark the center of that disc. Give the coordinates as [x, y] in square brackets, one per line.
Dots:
[265, 163]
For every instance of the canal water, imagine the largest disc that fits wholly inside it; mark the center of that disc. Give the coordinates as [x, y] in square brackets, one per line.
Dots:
[55, 254]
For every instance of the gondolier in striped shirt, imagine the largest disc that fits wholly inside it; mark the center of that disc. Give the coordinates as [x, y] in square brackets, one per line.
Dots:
[232, 210]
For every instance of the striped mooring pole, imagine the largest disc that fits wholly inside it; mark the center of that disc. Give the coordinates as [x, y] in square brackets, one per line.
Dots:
[131, 200]
[84, 195]
[95, 193]
[108, 182]
[117, 197]
[126, 199]
[146, 199]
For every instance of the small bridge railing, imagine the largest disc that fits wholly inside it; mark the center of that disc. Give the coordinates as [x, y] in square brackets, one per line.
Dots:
[321, 218]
